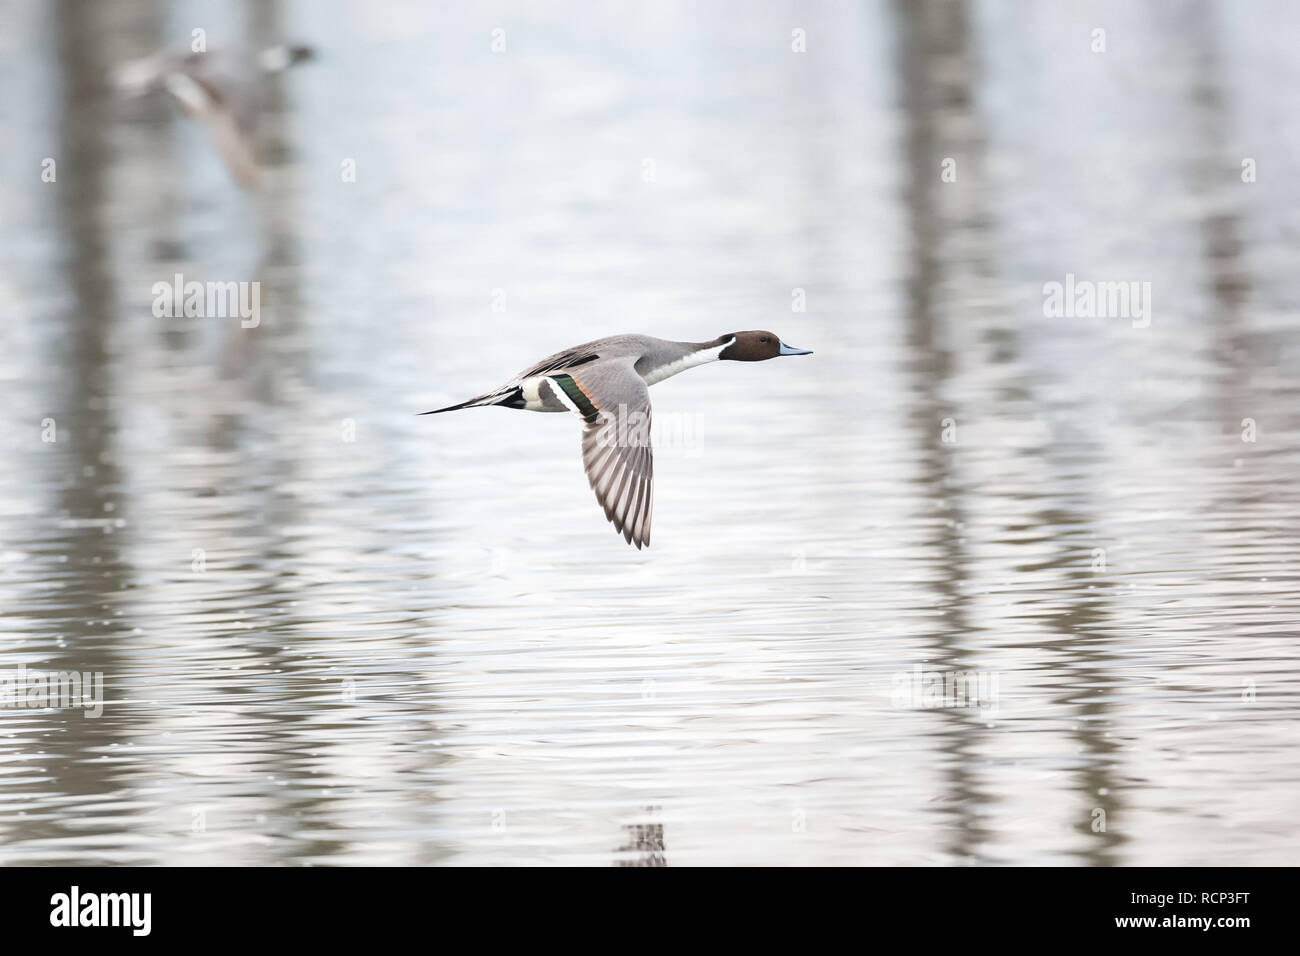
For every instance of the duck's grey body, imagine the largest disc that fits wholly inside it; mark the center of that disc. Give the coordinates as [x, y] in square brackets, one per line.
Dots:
[607, 384]
[609, 367]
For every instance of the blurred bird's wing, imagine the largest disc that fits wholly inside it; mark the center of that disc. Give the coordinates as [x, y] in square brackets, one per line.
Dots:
[231, 134]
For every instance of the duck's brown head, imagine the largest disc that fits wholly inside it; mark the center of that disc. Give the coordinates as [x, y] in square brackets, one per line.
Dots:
[756, 347]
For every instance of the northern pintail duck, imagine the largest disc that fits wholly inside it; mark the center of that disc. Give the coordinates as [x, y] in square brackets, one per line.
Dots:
[219, 89]
[606, 383]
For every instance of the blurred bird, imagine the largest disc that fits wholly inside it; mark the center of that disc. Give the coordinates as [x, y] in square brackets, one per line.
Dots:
[607, 383]
[219, 89]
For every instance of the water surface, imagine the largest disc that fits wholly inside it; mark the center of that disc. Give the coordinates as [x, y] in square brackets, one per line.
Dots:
[332, 632]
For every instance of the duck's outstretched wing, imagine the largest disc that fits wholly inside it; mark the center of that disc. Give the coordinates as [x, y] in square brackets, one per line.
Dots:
[614, 404]
[230, 128]
[560, 362]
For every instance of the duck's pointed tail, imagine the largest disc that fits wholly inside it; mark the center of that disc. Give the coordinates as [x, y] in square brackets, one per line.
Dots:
[510, 398]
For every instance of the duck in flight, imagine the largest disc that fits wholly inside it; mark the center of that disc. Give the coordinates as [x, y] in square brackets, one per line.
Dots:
[220, 89]
[606, 383]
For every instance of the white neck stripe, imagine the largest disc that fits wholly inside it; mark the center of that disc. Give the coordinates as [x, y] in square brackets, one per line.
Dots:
[689, 360]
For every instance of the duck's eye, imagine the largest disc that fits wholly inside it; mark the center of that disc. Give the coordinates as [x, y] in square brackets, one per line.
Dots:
[765, 339]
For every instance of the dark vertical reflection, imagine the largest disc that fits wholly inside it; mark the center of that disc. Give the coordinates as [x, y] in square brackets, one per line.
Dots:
[952, 240]
[80, 382]
[937, 72]
[644, 843]
[1077, 617]
[267, 357]
[269, 363]
[259, 356]
[1081, 612]
[1241, 353]
[1216, 175]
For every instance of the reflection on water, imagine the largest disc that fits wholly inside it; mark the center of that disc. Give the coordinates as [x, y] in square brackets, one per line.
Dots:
[333, 632]
[645, 845]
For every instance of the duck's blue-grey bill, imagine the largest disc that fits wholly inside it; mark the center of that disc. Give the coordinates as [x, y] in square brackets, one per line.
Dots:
[787, 350]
